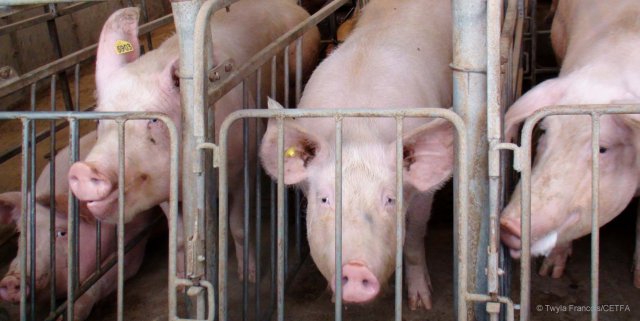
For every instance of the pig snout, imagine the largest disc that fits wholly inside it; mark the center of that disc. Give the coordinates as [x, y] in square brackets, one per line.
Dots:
[88, 183]
[10, 289]
[359, 285]
[510, 235]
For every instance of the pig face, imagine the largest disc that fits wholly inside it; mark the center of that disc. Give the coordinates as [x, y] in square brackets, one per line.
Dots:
[126, 83]
[10, 208]
[368, 195]
[561, 173]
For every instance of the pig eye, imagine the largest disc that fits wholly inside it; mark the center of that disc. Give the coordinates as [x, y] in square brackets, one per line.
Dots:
[390, 201]
[324, 200]
[61, 233]
[153, 121]
[603, 150]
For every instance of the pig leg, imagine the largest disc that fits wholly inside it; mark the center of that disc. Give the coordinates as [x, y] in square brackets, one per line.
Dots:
[108, 283]
[636, 254]
[417, 274]
[236, 220]
[555, 262]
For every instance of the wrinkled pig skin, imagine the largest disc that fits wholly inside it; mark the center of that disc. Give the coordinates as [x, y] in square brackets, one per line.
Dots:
[396, 57]
[10, 213]
[598, 44]
[127, 82]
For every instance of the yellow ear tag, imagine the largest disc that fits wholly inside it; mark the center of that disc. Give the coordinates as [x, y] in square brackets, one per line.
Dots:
[123, 47]
[290, 152]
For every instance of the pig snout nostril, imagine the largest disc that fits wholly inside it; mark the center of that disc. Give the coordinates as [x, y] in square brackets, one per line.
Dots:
[345, 280]
[365, 283]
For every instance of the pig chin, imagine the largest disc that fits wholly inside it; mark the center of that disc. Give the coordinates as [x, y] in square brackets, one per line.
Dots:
[541, 245]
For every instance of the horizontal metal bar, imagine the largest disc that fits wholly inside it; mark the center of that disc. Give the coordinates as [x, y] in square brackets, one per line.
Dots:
[68, 61]
[23, 24]
[582, 110]
[268, 52]
[23, 2]
[45, 115]
[16, 10]
[312, 113]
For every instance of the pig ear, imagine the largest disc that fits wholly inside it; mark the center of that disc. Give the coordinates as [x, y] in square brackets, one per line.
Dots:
[170, 78]
[10, 205]
[300, 149]
[428, 154]
[118, 44]
[545, 94]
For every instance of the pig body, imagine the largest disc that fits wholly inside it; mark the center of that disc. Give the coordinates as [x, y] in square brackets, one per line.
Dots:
[10, 208]
[396, 57]
[150, 83]
[598, 44]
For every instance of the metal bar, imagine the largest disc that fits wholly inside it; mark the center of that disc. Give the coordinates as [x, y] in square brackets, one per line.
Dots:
[286, 76]
[145, 18]
[247, 199]
[32, 210]
[338, 222]
[399, 216]
[55, 42]
[120, 227]
[52, 201]
[281, 222]
[13, 27]
[258, 183]
[68, 61]
[595, 204]
[469, 97]
[268, 52]
[26, 123]
[76, 86]
[72, 272]
[23, 2]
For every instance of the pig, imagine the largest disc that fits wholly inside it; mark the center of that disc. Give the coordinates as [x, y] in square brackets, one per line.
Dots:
[396, 57]
[599, 46]
[127, 82]
[10, 212]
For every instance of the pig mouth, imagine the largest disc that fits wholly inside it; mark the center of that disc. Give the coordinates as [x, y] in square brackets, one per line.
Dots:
[105, 209]
[512, 238]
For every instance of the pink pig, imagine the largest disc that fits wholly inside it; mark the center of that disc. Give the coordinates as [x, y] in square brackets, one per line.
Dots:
[598, 43]
[10, 212]
[127, 82]
[396, 57]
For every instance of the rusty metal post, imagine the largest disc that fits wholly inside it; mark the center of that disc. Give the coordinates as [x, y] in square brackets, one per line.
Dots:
[469, 101]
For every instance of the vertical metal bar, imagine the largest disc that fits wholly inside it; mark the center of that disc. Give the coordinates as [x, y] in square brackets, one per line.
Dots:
[173, 216]
[298, 197]
[399, 217]
[55, 42]
[338, 223]
[298, 70]
[76, 86]
[281, 222]
[286, 77]
[246, 205]
[72, 233]
[595, 203]
[273, 202]
[32, 210]
[26, 123]
[469, 97]
[223, 229]
[525, 258]
[258, 197]
[121, 168]
[52, 200]
[145, 18]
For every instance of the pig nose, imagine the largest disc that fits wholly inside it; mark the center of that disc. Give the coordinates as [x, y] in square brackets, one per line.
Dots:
[359, 285]
[510, 232]
[10, 289]
[88, 183]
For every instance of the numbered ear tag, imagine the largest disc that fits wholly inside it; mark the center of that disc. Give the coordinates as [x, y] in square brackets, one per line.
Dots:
[290, 152]
[123, 47]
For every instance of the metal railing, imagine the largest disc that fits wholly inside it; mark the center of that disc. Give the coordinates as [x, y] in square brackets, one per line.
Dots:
[75, 289]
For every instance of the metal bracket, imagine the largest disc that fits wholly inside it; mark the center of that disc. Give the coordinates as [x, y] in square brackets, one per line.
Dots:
[493, 307]
[216, 152]
[195, 289]
[221, 71]
[517, 154]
